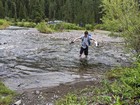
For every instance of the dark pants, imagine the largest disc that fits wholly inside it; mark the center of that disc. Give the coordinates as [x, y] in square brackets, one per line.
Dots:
[85, 50]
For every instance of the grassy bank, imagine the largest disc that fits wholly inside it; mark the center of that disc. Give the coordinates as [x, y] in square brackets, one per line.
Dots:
[3, 24]
[121, 87]
[44, 26]
[57, 27]
[6, 95]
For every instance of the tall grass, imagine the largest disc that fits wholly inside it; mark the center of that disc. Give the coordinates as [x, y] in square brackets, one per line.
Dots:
[3, 24]
[6, 95]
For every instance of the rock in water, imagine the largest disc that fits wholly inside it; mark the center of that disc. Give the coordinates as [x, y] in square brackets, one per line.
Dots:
[18, 102]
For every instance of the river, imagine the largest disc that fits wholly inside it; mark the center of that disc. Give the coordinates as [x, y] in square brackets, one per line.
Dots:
[30, 59]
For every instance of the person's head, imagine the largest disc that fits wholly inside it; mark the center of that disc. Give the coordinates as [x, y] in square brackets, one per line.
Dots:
[86, 33]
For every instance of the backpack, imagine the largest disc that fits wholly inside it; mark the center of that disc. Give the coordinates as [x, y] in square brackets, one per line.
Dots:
[89, 35]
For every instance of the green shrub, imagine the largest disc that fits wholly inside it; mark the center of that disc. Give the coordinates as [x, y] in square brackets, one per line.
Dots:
[113, 25]
[63, 25]
[42, 27]
[32, 24]
[3, 24]
[57, 27]
[20, 24]
[24, 24]
[89, 27]
[29, 24]
[99, 26]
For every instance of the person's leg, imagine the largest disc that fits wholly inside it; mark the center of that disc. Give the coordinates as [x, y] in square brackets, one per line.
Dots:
[86, 52]
[81, 51]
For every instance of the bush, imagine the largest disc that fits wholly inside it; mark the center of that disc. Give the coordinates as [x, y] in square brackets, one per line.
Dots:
[29, 24]
[20, 24]
[3, 24]
[113, 25]
[57, 27]
[89, 27]
[42, 27]
[32, 24]
[63, 25]
[24, 24]
[99, 26]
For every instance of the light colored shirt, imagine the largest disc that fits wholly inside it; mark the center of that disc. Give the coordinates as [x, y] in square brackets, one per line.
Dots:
[85, 41]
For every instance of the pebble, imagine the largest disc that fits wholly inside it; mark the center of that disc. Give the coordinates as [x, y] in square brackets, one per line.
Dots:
[37, 92]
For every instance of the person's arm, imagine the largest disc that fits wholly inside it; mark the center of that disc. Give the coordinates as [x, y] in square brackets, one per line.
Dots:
[75, 39]
[96, 43]
[92, 39]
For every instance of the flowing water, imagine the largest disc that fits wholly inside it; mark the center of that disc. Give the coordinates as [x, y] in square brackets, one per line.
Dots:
[29, 59]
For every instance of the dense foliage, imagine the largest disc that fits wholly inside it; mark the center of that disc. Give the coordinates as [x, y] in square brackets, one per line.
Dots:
[75, 11]
[123, 16]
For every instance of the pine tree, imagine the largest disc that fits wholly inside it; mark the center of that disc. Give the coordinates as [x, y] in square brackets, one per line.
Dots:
[76, 11]
[6, 9]
[37, 13]
[1, 9]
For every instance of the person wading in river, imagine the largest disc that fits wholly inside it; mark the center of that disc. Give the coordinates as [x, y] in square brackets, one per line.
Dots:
[85, 43]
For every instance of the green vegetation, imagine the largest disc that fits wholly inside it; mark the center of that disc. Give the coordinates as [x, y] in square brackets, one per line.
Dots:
[123, 16]
[6, 95]
[89, 27]
[3, 24]
[121, 87]
[42, 27]
[65, 26]
[24, 24]
[49, 28]
[73, 11]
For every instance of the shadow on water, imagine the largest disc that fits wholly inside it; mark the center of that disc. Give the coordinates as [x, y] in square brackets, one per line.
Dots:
[83, 64]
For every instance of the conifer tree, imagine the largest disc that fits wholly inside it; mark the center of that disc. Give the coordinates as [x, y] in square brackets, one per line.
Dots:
[1, 9]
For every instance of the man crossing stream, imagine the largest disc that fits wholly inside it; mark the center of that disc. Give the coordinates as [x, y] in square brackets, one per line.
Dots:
[85, 43]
